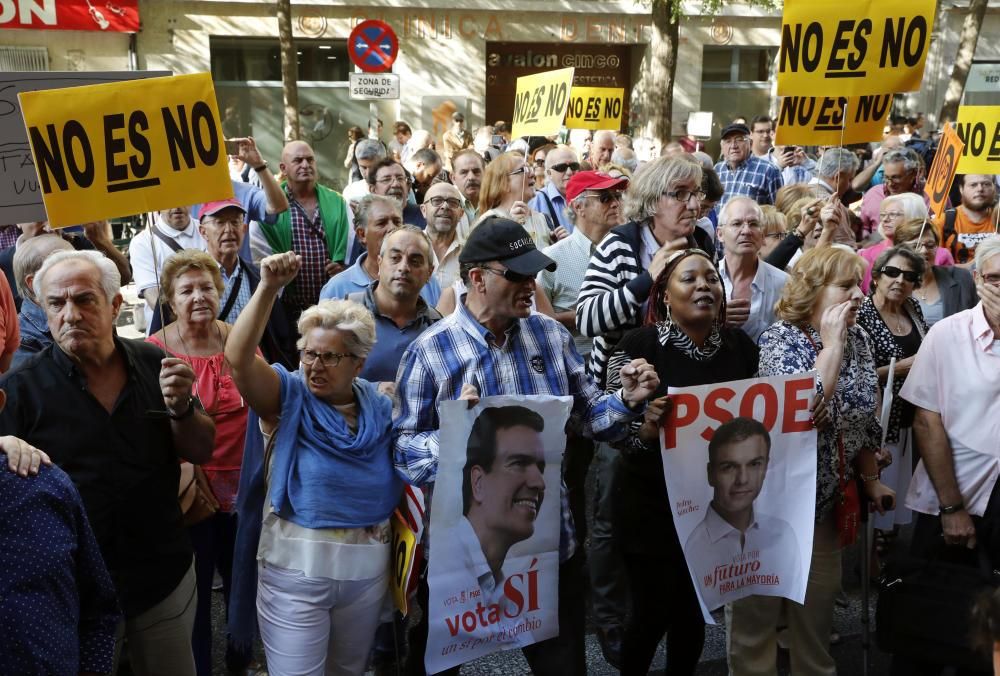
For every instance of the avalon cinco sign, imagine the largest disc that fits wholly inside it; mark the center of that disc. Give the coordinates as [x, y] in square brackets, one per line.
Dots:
[374, 86]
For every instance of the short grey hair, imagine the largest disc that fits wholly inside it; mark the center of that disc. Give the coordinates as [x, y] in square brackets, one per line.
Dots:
[364, 206]
[416, 231]
[904, 156]
[369, 149]
[350, 318]
[912, 204]
[626, 158]
[986, 249]
[836, 160]
[111, 279]
[724, 213]
[29, 256]
[657, 177]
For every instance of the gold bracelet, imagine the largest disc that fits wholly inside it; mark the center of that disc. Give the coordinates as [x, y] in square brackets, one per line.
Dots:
[870, 477]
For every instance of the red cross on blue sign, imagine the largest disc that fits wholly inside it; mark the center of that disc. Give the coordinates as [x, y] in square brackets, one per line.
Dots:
[372, 46]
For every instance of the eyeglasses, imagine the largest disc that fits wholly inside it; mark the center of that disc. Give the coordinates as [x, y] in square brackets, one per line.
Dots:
[926, 245]
[389, 180]
[774, 235]
[890, 215]
[605, 196]
[730, 140]
[452, 202]
[686, 195]
[992, 280]
[563, 166]
[509, 275]
[540, 163]
[331, 359]
[523, 169]
[892, 272]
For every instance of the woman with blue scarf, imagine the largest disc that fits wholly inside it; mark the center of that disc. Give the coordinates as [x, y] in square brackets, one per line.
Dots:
[323, 556]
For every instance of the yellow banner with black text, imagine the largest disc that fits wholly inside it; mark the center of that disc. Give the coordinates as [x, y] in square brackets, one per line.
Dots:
[540, 103]
[595, 108]
[123, 148]
[831, 121]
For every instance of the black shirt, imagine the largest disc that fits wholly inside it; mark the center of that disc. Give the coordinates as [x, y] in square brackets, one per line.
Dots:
[124, 463]
[643, 518]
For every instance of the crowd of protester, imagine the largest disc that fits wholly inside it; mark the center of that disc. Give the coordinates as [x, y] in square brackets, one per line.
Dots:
[300, 339]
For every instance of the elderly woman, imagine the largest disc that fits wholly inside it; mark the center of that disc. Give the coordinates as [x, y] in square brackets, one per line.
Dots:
[538, 156]
[893, 212]
[663, 203]
[508, 186]
[896, 327]
[191, 285]
[324, 544]
[944, 290]
[774, 227]
[688, 343]
[817, 331]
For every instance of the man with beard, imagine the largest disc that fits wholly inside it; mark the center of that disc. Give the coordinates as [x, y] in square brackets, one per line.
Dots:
[404, 267]
[315, 227]
[975, 218]
[390, 179]
[741, 172]
[467, 169]
[424, 166]
[375, 216]
[443, 211]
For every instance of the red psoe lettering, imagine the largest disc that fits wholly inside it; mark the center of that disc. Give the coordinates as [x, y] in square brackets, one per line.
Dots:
[677, 419]
[798, 396]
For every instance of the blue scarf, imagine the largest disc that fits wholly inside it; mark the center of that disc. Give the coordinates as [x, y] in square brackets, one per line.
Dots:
[323, 475]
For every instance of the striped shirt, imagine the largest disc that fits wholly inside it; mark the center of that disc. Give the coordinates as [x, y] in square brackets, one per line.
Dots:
[536, 358]
[756, 178]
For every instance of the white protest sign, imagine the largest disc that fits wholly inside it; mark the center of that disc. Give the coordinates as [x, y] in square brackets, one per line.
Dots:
[494, 529]
[374, 86]
[739, 460]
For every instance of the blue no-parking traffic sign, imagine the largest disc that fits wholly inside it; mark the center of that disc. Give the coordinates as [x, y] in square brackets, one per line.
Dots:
[372, 46]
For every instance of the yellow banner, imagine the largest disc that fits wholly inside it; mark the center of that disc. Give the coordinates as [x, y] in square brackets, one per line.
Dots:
[109, 150]
[942, 171]
[804, 120]
[853, 47]
[540, 103]
[979, 129]
[595, 108]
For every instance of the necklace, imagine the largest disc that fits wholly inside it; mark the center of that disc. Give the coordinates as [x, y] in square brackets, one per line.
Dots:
[896, 330]
[218, 374]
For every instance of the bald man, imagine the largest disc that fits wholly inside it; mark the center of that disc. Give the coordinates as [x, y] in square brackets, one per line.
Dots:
[602, 148]
[316, 226]
[442, 209]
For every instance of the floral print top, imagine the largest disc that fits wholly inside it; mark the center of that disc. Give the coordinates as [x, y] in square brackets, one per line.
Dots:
[785, 349]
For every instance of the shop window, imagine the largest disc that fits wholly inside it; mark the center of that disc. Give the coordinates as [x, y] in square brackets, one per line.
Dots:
[243, 60]
[738, 64]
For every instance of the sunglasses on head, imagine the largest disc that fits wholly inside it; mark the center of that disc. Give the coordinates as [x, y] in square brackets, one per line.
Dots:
[892, 272]
[562, 167]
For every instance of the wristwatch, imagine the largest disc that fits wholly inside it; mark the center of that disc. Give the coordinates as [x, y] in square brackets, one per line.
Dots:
[261, 167]
[951, 509]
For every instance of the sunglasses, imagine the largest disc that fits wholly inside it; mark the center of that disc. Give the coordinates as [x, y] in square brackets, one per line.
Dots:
[892, 272]
[509, 275]
[606, 196]
[561, 168]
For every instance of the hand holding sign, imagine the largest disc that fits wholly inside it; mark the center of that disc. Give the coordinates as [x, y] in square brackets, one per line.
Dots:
[540, 103]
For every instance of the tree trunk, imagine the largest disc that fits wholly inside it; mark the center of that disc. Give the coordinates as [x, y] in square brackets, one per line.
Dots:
[659, 91]
[963, 61]
[289, 71]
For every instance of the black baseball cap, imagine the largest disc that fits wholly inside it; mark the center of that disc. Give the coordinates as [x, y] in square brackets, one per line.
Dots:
[734, 128]
[504, 240]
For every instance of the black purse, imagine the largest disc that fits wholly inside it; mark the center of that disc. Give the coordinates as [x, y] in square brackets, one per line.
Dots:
[924, 607]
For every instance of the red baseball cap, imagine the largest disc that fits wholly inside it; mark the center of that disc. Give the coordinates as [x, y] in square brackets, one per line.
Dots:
[212, 208]
[592, 180]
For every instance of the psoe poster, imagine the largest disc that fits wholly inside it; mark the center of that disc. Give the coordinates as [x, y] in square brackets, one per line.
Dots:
[740, 464]
[494, 528]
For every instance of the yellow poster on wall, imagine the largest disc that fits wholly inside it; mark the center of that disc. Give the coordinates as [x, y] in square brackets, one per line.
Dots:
[109, 150]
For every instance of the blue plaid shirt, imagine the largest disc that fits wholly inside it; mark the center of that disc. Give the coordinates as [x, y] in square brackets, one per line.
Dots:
[756, 178]
[537, 357]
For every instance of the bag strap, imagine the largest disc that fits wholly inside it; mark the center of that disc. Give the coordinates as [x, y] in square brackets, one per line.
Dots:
[552, 210]
[231, 301]
[169, 241]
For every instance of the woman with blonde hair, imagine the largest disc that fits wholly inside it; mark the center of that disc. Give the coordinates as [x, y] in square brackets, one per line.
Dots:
[190, 287]
[893, 212]
[774, 228]
[508, 186]
[817, 331]
[323, 554]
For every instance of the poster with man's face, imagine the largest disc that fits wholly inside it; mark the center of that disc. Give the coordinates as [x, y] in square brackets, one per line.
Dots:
[739, 460]
[494, 527]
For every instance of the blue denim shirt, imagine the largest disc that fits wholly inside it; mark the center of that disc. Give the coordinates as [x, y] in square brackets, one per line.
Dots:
[35, 335]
